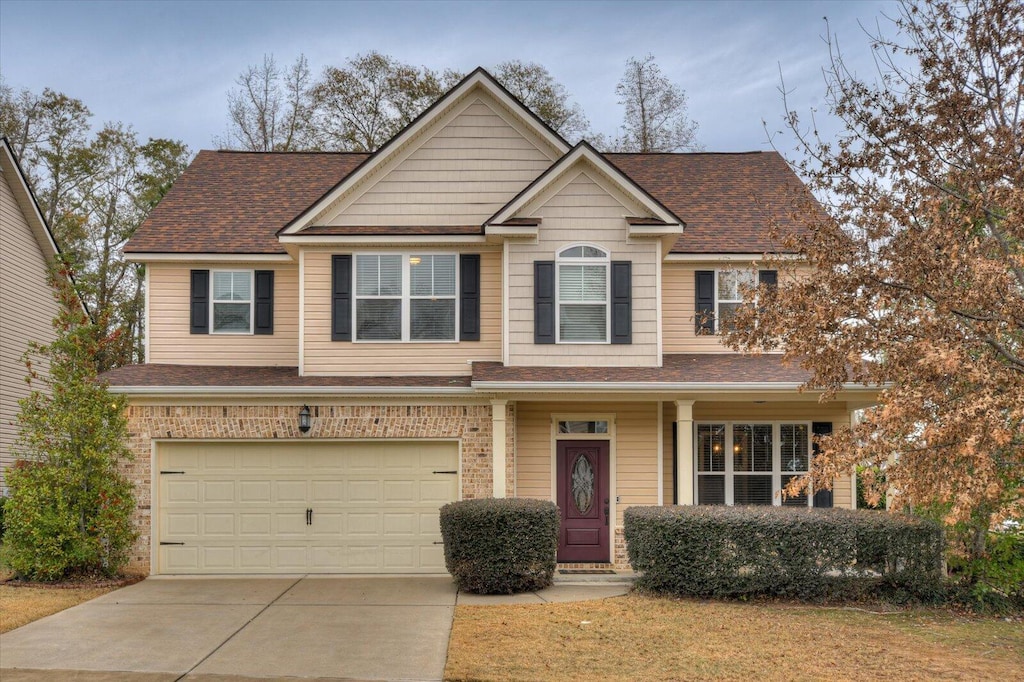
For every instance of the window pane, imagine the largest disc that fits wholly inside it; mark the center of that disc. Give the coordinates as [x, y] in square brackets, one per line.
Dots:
[711, 447]
[379, 319]
[794, 447]
[583, 283]
[231, 317]
[583, 322]
[432, 275]
[572, 252]
[752, 447]
[591, 252]
[378, 275]
[752, 490]
[798, 501]
[730, 281]
[711, 489]
[231, 286]
[432, 319]
[727, 315]
[599, 426]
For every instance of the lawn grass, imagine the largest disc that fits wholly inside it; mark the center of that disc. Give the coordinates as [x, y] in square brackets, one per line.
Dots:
[22, 605]
[642, 637]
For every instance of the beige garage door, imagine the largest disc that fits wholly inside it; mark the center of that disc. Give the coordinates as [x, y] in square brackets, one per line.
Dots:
[312, 507]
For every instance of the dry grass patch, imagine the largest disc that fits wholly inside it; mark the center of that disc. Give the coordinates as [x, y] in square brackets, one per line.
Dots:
[22, 605]
[636, 636]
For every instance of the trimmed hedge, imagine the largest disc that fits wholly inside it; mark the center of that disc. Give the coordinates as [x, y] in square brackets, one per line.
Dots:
[500, 546]
[716, 551]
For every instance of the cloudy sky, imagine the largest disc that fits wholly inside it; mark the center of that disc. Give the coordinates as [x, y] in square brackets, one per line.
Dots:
[165, 66]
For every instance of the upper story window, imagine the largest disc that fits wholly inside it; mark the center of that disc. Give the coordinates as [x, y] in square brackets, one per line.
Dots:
[729, 298]
[231, 303]
[405, 297]
[582, 294]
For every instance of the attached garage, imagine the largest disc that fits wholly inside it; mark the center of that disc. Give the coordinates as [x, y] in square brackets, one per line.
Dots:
[303, 506]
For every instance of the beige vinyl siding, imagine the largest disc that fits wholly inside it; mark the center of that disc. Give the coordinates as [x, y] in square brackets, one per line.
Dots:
[325, 357]
[170, 341]
[635, 448]
[798, 411]
[27, 309]
[678, 305]
[461, 174]
[585, 209]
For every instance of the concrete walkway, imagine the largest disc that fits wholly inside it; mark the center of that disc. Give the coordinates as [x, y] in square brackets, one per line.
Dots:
[236, 629]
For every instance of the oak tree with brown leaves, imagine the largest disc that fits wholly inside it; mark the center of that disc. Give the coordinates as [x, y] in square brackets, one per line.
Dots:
[918, 259]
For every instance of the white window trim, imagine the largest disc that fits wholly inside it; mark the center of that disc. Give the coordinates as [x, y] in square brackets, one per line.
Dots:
[251, 302]
[719, 299]
[606, 261]
[405, 298]
[776, 473]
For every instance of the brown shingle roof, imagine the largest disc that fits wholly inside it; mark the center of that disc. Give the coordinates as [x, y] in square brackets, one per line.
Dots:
[235, 202]
[198, 376]
[696, 368]
[725, 199]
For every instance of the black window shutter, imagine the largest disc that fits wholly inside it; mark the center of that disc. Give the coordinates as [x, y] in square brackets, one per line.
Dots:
[199, 315]
[469, 295]
[622, 301]
[341, 298]
[264, 301]
[544, 301]
[705, 304]
[769, 277]
[822, 498]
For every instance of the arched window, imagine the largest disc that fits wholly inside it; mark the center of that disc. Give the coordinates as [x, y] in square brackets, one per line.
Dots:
[582, 294]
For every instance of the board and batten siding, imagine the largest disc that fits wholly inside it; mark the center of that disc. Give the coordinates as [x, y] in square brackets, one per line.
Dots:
[584, 210]
[27, 309]
[635, 448]
[459, 174]
[321, 356]
[170, 340]
[722, 411]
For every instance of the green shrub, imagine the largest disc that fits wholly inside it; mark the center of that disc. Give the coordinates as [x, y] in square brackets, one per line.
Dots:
[993, 582]
[862, 498]
[58, 529]
[3, 503]
[500, 546]
[804, 553]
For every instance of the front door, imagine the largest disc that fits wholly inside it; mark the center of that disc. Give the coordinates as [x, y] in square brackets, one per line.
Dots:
[583, 498]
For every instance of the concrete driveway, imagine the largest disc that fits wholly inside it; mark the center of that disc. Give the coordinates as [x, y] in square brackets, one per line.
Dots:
[243, 628]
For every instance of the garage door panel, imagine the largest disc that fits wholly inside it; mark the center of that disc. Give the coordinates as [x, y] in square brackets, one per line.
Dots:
[217, 492]
[242, 507]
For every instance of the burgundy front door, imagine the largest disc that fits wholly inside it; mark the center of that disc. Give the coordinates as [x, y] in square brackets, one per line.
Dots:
[582, 484]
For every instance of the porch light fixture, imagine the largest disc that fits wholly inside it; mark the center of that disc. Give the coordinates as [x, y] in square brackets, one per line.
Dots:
[304, 419]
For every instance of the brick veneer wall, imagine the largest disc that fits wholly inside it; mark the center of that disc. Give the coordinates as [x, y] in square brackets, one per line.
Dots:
[471, 424]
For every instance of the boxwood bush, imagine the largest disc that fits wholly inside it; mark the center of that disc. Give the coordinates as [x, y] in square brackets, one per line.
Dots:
[500, 546]
[803, 553]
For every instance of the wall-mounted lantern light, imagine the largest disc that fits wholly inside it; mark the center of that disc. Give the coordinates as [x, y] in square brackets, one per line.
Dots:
[304, 419]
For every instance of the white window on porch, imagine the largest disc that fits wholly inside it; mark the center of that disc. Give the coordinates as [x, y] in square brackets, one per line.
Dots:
[748, 463]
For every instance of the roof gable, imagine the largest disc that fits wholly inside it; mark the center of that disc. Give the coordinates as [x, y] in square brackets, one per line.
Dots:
[475, 108]
[26, 200]
[645, 214]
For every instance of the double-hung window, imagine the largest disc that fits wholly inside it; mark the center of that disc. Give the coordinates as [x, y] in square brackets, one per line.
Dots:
[231, 302]
[730, 294]
[405, 297]
[750, 462]
[582, 295]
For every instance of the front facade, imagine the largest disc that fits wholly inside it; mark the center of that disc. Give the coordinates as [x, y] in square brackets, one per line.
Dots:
[27, 304]
[339, 344]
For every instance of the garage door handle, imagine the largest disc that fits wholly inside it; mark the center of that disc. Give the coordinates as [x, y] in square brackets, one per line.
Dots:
[172, 472]
[309, 517]
[446, 472]
[172, 543]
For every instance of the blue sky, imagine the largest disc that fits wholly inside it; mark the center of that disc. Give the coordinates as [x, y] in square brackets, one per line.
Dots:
[165, 66]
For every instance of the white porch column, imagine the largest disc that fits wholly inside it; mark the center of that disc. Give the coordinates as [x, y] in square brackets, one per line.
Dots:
[684, 451]
[498, 412]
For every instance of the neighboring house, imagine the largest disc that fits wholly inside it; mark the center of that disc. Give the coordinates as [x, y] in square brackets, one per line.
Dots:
[475, 310]
[27, 305]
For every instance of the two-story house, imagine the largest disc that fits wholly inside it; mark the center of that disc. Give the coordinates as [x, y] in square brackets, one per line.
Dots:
[338, 344]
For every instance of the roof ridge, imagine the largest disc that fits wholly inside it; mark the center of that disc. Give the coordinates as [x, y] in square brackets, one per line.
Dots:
[753, 151]
[284, 153]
